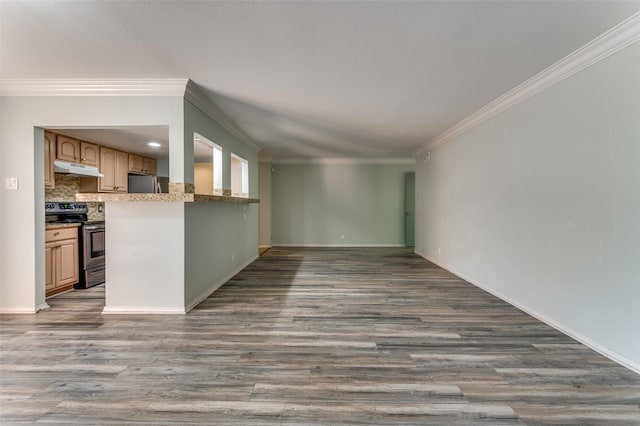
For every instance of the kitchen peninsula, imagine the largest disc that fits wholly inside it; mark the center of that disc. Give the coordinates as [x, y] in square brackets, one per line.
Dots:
[164, 250]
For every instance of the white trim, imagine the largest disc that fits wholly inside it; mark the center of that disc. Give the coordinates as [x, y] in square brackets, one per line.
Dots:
[344, 161]
[93, 87]
[217, 285]
[606, 352]
[182, 87]
[195, 95]
[146, 310]
[17, 310]
[276, 245]
[42, 307]
[617, 38]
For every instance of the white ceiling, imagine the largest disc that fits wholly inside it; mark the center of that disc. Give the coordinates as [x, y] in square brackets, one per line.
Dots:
[312, 79]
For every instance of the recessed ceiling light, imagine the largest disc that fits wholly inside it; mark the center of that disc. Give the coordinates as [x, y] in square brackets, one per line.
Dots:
[154, 144]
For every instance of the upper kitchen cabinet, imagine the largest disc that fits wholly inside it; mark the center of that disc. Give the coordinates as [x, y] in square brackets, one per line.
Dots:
[149, 166]
[49, 158]
[77, 151]
[67, 149]
[141, 165]
[89, 154]
[135, 164]
[114, 165]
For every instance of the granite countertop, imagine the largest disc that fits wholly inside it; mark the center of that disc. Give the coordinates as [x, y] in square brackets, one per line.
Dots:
[61, 225]
[176, 197]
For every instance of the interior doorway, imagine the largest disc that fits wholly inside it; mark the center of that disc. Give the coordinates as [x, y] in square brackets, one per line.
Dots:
[409, 209]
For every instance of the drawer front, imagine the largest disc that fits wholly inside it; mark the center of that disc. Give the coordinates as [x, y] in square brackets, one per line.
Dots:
[60, 234]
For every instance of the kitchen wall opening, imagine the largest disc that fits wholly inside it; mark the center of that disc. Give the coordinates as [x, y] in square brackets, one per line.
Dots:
[239, 176]
[207, 166]
[133, 159]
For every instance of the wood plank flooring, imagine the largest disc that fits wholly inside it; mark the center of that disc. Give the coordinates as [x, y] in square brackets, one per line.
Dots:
[310, 336]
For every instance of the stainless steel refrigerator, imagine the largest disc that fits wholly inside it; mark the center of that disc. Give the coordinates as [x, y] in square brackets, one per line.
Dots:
[148, 184]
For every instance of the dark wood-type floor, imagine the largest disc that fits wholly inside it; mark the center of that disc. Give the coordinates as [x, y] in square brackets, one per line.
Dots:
[310, 336]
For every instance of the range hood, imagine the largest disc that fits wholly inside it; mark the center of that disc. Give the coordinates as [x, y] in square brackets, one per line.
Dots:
[75, 169]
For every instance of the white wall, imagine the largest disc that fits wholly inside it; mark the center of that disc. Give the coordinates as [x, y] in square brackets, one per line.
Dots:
[145, 258]
[338, 203]
[21, 147]
[541, 205]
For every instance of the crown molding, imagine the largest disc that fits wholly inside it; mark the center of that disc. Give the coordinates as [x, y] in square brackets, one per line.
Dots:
[194, 95]
[617, 38]
[410, 160]
[93, 87]
[182, 87]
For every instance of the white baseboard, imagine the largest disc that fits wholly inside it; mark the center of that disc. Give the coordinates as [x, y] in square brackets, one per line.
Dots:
[143, 310]
[24, 310]
[614, 356]
[217, 285]
[339, 245]
[42, 307]
[17, 310]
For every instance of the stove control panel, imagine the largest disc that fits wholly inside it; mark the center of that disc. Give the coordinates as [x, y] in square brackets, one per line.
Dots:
[65, 207]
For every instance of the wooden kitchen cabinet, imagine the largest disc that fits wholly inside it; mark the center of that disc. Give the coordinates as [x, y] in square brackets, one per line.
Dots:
[89, 154]
[141, 165]
[49, 158]
[49, 281]
[114, 165]
[62, 268]
[77, 151]
[67, 149]
[135, 164]
[148, 166]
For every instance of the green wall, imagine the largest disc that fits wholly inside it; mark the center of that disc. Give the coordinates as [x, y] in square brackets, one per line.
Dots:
[541, 204]
[220, 238]
[338, 204]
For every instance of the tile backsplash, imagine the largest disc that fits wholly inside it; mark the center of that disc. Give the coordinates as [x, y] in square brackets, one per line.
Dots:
[66, 189]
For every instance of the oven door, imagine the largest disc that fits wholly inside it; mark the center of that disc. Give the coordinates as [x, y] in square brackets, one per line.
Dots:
[94, 245]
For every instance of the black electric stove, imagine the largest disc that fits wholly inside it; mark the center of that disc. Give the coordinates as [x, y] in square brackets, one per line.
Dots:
[91, 239]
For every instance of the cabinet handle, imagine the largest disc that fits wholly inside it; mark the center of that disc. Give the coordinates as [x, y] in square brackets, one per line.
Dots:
[55, 234]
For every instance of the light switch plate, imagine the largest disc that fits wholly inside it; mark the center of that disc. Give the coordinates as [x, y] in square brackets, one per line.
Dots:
[11, 183]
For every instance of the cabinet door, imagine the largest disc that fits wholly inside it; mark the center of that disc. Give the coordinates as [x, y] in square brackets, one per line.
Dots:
[67, 149]
[149, 166]
[49, 267]
[121, 171]
[135, 163]
[49, 158]
[89, 154]
[67, 262]
[108, 168]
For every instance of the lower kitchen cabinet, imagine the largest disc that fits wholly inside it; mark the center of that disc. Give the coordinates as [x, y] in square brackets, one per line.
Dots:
[61, 260]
